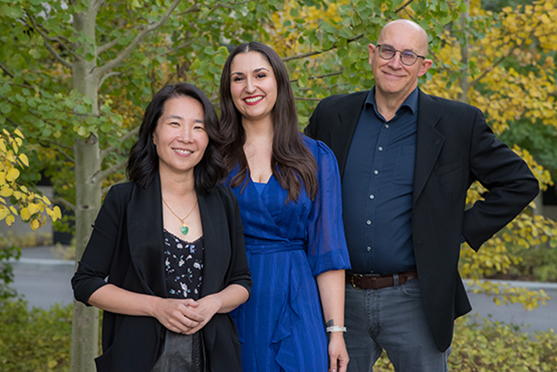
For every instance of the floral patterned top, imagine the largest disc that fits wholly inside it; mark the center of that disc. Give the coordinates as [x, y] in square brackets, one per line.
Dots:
[183, 262]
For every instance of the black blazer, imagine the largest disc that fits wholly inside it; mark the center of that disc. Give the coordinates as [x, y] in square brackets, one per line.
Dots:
[127, 247]
[454, 147]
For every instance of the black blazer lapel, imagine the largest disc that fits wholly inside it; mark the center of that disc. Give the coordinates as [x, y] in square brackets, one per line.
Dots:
[428, 142]
[145, 236]
[348, 116]
[216, 241]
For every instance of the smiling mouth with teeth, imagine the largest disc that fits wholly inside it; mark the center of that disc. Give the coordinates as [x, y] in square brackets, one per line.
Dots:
[254, 99]
[182, 151]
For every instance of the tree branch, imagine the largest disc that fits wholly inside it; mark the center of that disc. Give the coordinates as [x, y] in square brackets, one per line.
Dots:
[106, 77]
[107, 46]
[5, 69]
[319, 76]
[122, 139]
[63, 153]
[10, 74]
[63, 202]
[488, 70]
[191, 9]
[126, 52]
[100, 176]
[307, 99]
[58, 144]
[187, 43]
[309, 54]
[404, 6]
[49, 47]
[56, 55]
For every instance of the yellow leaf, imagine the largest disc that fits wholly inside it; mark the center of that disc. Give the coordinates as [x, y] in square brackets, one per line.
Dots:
[35, 224]
[10, 220]
[25, 215]
[24, 159]
[3, 212]
[18, 132]
[6, 192]
[12, 174]
[57, 213]
[33, 208]
[46, 200]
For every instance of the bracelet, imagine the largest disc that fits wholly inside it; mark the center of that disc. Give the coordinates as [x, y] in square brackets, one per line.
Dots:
[335, 329]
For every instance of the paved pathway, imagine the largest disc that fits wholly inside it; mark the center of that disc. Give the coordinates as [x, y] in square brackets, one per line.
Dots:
[45, 281]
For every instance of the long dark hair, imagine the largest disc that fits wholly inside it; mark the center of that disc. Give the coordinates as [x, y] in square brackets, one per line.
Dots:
[291, 161]
[143, 163]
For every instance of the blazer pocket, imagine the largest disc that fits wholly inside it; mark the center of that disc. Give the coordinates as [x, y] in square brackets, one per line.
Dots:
[445, 169]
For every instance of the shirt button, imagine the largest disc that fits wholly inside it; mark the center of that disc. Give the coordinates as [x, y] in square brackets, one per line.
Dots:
[386, 125]
[368, 249]
[368, 222]
[380, 148]
[376, 172]
[372, 196]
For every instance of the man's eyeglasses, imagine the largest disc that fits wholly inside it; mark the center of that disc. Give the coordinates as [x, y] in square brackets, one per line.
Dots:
[407, 57]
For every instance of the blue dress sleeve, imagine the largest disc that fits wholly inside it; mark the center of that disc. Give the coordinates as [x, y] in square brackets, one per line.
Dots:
[326, 242]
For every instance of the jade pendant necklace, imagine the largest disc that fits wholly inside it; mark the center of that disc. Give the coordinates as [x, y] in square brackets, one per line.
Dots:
[184, 229]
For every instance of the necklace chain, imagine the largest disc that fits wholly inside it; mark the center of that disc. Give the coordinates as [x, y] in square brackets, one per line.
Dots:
[184, 229]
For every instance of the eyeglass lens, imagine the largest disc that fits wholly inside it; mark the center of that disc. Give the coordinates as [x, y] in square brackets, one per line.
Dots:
[407, 57]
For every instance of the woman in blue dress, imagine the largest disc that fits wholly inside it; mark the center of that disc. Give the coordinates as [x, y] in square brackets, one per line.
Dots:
[288, 187]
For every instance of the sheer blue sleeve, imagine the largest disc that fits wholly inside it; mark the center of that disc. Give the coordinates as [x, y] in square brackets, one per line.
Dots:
[326, 242]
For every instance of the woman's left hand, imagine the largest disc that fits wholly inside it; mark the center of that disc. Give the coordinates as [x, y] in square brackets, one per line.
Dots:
[222, 302]
[208, 306]
[338, 356]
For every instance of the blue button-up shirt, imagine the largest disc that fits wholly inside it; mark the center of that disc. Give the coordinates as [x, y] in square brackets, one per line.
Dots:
[377, 189]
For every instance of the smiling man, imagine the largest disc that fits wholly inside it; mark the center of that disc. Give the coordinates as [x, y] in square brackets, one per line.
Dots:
[407, 160]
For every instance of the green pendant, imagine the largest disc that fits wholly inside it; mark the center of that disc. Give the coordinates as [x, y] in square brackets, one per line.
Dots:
[184, 229]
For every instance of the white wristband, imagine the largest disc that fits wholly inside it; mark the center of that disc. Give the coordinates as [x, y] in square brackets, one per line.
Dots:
[335, 329]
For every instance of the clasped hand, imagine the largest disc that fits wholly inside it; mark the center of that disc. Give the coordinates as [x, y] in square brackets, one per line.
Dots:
[185, 316]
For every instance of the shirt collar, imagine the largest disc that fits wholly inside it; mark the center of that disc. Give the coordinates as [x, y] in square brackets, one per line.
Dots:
[411, 101]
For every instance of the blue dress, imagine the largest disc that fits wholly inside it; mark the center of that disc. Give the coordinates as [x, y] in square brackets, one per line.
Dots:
[281, 327]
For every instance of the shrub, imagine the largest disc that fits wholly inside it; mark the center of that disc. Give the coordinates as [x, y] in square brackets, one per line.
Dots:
[34, 340]
[39, 340]
[7, 271]
[487, 346]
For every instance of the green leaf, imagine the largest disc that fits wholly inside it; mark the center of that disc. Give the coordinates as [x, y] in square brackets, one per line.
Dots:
[5, 108]
[23, 38]
[220, 59]
[11, 11]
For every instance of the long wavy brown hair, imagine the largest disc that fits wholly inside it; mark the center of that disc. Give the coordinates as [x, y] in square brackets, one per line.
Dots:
[291, 161]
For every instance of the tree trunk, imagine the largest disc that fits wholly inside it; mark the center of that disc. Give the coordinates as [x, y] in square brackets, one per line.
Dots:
[85, 326]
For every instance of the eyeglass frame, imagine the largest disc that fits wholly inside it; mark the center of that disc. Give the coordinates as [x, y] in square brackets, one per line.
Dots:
[400, 51]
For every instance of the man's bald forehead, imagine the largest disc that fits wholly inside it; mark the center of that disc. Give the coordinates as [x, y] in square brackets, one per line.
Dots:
[408, 26]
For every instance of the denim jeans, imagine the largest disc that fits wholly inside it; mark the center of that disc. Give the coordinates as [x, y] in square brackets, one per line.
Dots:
[392, 319]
